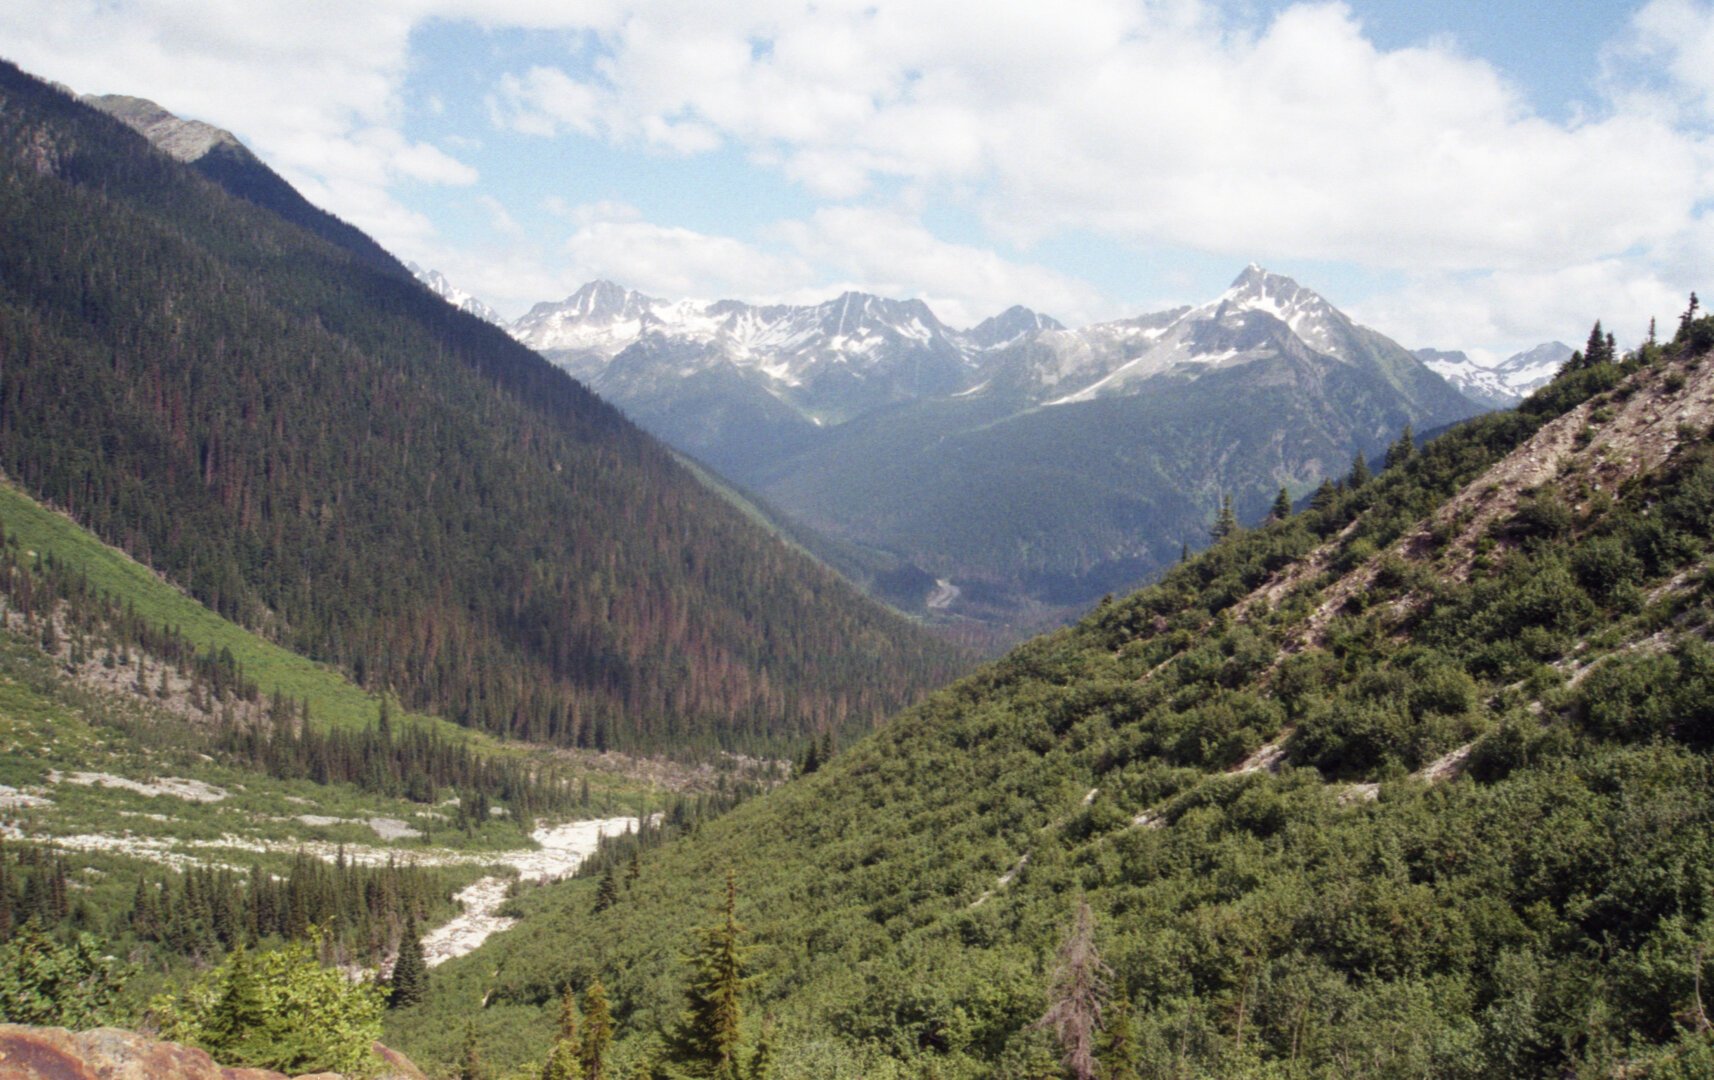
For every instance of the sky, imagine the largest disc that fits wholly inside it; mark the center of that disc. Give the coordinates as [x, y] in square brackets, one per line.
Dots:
[1461, 175]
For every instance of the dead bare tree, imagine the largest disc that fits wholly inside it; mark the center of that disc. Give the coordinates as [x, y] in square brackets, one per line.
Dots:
[1078, 995]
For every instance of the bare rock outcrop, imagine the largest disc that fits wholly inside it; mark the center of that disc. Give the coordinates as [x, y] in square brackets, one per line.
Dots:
[49, 1053]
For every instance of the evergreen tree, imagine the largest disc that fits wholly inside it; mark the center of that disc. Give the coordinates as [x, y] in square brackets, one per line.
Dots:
[607, 893]
[239, 1024]
[410, 971]
[1359, 474]
[1282, 506]
[597, 1031]
[706, 1041]
[1402, 448]
[633, 869]
[762, 1060]
[1118, 1052]
[470, 1065]
[1600, 349]
[1225, 523]
[565, 1061]
[1078, 993]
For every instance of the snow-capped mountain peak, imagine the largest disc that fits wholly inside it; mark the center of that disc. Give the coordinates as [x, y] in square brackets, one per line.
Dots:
[1307, 314]
[1534, 367]
[598, 320]
[603, 301]
[1501, 385]
[452, 294]
[1017, 321]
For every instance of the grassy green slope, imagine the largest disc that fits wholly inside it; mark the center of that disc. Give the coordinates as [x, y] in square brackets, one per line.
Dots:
[333, 698]
[1416, 783]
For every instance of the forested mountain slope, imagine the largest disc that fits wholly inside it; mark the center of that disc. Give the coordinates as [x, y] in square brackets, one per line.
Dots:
[319, 448]
[1414, 783]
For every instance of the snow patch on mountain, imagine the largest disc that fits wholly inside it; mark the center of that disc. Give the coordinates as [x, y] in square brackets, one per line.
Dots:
[1501, 385]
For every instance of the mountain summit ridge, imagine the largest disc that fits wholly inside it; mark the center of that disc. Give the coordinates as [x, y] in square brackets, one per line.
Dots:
[1022, 462]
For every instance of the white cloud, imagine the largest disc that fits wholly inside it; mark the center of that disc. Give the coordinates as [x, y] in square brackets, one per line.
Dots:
[1509, 311]
[1158, 123]
[678, 263]
[802, 261]
[887, 253]
[1164, 124]
[320, 106]
[1678, 34]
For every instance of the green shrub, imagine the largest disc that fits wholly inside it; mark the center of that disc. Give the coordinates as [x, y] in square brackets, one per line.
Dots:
[68, 984]
[279, 1009]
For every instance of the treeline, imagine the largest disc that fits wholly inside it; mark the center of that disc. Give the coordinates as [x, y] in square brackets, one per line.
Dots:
[34, 885]
[326, 453]
[414, 763]
[357, 913]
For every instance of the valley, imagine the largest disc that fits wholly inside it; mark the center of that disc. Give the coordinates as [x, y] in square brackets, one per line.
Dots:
[1034, 467]
[802, 687]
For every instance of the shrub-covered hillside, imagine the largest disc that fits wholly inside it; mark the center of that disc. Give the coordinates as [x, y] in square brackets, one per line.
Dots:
[1416, 782]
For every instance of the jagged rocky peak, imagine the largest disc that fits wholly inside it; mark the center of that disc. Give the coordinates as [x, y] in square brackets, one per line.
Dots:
[438, 284]
[854, 313]
[1258, 289]
[1008, 326]
[604, 301]
[187, 140]
[1501, 385]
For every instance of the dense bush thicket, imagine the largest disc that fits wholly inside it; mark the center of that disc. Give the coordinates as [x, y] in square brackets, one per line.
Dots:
[1547, 913]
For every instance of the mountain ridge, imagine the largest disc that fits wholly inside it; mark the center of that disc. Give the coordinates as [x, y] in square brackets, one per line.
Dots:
[910, 471]
[325, 431]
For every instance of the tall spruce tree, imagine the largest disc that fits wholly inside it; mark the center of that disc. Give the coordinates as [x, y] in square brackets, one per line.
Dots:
[410, 971]
[1402, 448]
[1360, 473]
[565, 1060]
[1282, 506]
[1225, 522]
[762, 1058]
[607, 893]
[1118, 1052]
[706, 1041]
[597, 1031]
[470, 1066]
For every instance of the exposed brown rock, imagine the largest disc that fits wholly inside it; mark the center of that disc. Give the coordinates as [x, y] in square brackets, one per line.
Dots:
[44, 1053]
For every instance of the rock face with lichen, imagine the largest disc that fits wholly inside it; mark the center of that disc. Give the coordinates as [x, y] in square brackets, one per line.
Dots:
[48, 1053]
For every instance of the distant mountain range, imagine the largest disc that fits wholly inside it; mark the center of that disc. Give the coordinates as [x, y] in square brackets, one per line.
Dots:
[1506, 383]
[1015, 471]
[452, 294]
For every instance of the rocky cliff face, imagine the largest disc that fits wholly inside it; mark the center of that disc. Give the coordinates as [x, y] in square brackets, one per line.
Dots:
[46, 1053]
